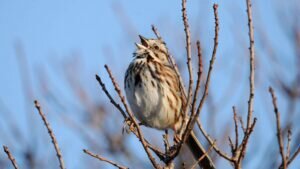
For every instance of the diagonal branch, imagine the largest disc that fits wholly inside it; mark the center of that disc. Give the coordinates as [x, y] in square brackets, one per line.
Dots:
[10, 157]
[132, 118]
[297, 152]
[51, 134]
[104, 159]
[154, 29]
[98, 78]
[211, 142]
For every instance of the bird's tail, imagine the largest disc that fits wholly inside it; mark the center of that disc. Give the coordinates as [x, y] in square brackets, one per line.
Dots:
[198, 151]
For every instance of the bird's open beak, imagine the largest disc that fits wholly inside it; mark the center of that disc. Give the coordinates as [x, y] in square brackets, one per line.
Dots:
[144, 43]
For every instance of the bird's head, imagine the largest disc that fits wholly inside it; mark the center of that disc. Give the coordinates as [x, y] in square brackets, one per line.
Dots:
[154, 48]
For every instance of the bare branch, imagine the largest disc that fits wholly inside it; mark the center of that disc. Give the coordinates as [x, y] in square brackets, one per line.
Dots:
[110, 97]
[51, 134]
[279, 135]
[286, 158]
[235, 127]
[252, 66]
[288, 147]
[10, 157]
[211, 142]
[132, 118]
[155, 150]
[241, 150]
[297, 152]
[156, 32]
[104, 159]
[213, 58]
[242, 125]
[199, 76]
[232, 147]
[245, 142]
[189, 65]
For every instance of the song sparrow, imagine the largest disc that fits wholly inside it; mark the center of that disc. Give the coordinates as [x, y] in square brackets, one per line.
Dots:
[153, 92]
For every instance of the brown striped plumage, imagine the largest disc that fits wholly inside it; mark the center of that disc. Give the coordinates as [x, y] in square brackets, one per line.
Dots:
[153, 91]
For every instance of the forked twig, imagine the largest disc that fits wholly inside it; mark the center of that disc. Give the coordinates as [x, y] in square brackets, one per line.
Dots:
[286, 158]
[211, 142]
[129, 113]
[186, 106]
[207, 83]
[279, 134]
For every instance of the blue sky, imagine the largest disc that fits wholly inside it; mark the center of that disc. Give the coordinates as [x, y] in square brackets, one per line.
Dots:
[100, 32]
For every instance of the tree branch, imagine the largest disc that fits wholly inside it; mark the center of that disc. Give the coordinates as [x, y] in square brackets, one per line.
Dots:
[51, 134]
[104, 159]
[10, 157]
[189, 65]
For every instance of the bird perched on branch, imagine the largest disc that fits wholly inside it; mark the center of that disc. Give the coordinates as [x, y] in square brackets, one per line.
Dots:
[153, 92]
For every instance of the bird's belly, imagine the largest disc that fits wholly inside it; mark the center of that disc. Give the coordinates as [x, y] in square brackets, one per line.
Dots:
[148, 103]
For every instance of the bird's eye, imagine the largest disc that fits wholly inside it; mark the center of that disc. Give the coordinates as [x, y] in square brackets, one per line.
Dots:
[156, 47]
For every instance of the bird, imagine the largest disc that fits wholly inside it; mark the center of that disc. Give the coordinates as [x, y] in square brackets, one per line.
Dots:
[153, 92]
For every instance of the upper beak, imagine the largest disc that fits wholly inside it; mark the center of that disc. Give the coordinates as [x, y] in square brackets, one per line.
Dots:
[144, 41]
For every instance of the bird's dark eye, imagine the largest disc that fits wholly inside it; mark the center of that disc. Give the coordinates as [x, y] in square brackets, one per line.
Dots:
[156, 47]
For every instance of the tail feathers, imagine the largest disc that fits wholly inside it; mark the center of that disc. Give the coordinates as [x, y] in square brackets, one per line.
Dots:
[198, 151]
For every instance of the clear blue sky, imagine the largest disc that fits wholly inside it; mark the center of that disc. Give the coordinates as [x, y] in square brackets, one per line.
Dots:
[53, 31]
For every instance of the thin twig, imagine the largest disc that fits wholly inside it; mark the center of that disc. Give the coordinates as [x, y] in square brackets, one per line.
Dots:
[132, 118]
[155, 150]
[244, 143]
[235, 127]
[104, 159]
[10, 157]
[199, 76]
[51, 134]
[189, 65]
[249, 124]
[242, 124]
[212, 60]
[279, 135]
[110, 97]
[232, 147]
[156, 32]
[211, 142]
[288, 147]
[252, 66]
[297, 152]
